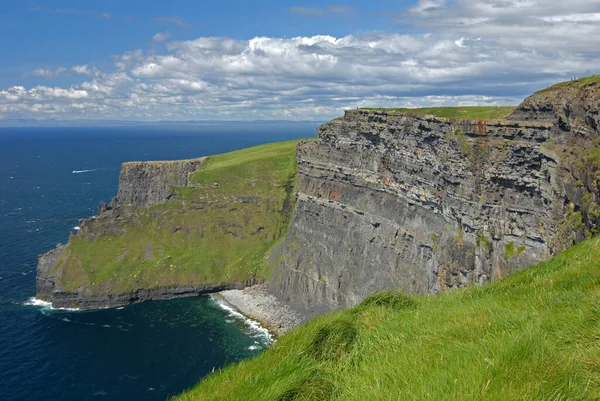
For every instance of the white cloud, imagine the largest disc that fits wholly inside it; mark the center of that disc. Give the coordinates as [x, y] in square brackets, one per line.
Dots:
[77, 69]
[84, 70]
[161, 36]
[460, 42]
[468, 52]
[47, 72]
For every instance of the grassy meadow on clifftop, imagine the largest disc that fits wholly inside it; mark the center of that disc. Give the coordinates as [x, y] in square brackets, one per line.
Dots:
[532, 336]
[219, 230]
[460, 112]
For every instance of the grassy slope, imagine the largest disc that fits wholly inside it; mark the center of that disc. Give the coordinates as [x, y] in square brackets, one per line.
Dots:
[463, 112]
[207, 235]
[532, 336]
[578, 83]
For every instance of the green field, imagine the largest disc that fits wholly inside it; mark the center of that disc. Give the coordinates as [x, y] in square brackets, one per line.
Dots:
[461, 112]
[217, 231]
[532, 336]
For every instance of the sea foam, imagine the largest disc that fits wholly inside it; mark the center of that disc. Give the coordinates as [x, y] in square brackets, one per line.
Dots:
[253, 325]
[84, 171]
[46, 305]
[37, 302]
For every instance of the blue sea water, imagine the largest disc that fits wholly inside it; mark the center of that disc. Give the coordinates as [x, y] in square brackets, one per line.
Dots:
[49, 179]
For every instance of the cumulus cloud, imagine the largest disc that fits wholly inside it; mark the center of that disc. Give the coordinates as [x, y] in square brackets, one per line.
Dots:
[464, 53]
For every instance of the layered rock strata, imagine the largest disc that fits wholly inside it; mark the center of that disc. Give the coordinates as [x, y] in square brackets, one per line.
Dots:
[150, 183]
[397, 201]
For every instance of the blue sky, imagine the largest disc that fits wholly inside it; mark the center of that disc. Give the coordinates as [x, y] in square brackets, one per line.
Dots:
[150, 60]
[51, 34]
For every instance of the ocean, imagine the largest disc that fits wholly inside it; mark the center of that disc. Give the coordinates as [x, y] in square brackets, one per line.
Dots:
[49, 179]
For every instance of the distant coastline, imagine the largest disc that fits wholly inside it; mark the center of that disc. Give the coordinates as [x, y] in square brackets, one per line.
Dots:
[16, 123]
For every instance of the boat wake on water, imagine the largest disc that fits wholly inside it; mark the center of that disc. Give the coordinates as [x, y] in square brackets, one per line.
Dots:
[84, 171]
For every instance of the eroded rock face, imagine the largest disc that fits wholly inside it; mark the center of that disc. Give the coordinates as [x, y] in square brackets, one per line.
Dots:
[149, 183]
[423, 204]
[46, 282]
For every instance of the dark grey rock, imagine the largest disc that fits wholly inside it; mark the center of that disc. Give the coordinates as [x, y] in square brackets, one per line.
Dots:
[423, 204]
[83, 300]
[150, 183]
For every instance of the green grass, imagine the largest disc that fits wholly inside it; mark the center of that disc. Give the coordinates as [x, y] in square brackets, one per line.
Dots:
[219, 230]
[532, 336]
[463, 112]
[578, 83]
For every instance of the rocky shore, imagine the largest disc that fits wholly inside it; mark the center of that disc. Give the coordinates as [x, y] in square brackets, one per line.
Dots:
[257, 303]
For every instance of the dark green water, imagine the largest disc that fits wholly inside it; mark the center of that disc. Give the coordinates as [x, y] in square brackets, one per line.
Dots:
[49, 179]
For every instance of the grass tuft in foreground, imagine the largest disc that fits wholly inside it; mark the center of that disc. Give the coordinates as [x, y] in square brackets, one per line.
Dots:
[532, 336]
[459, 113]
[219, 230]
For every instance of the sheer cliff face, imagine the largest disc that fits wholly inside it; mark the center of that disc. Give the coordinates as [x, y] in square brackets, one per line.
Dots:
[425, 204]
[150, 183]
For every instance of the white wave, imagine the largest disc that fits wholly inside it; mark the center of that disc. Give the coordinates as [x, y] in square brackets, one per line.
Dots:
[252, 324]
[46, 305]
[33, 301]
[68, 309]
[253, 348]
[76, 228]
[84, 171]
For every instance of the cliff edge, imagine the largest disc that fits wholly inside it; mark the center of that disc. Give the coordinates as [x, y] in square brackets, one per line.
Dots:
[398, 200]
[175, 229]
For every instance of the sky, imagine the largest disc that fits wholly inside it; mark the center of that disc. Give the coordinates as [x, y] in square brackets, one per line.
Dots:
[278, 59]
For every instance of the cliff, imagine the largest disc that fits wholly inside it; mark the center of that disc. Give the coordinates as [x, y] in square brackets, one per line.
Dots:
[150, 183]
[390, 199]
[176, 228]
[384, 199]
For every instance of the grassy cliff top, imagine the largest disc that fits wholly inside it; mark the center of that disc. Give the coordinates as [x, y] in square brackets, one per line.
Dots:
[576, 83]
[532, 336]
[217, 231]
[461, 112]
